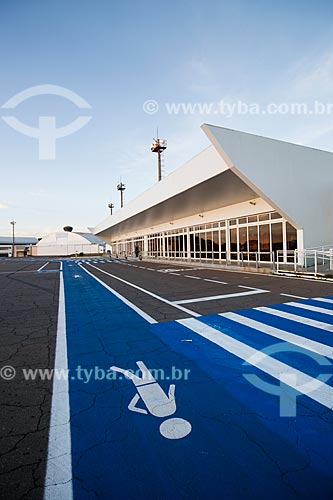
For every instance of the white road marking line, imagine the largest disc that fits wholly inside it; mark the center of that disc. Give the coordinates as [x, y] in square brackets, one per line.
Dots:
[299, 319]
[121, 297]
[248, 287]
[309, 307]
[219, 297]
[175, 274]
[322, 299]
[193, 277]
[44, 265]
[293, 296]
[321, 392]
[158, 297]
[215, 281]
[292, 338]
[58, 480]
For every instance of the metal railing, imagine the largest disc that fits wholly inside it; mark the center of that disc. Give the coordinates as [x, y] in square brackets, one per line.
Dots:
[313, 262]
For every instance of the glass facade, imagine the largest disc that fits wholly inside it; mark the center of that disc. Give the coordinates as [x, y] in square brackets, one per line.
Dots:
[251, 238]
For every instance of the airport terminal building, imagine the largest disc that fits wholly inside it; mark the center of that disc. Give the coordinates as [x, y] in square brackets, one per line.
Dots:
[241, 199]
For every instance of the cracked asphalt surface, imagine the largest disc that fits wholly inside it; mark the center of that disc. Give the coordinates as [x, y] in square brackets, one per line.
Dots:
[28, 316]
[238, 445]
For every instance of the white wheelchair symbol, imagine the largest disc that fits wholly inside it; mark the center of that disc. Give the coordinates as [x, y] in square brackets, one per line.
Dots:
[158, 403]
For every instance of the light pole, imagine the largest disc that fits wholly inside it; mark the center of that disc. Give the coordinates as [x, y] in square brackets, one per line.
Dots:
[121, 187]
[13, 222]
[111, 206]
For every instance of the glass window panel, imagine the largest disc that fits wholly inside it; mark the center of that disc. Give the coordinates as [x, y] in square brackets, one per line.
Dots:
[253, 218]
[216, 247]
[265, 242]
[276, 215]
[233, 244]
[243, 220]
[243, 239]
[277, 238]
[233, 222]
[223, 244]
[263, 216]
[291, 237]
[253, 238]
[209, 244]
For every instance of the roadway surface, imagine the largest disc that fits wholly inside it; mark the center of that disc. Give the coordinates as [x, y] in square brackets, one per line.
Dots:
[232, 394]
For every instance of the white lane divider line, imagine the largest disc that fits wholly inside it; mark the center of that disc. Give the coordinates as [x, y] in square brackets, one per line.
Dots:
[301, 382]
[298, 319]
[193, 277]
[248, 287]
[58, 479]
[44, 265]
[154, 295]
[174, 274]
[305, 343]
[215, 281]
[309, 307]
[220, 297]
[121, 297]
[293, 296]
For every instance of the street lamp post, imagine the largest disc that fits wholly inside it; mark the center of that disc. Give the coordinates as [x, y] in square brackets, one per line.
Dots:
[13, 222]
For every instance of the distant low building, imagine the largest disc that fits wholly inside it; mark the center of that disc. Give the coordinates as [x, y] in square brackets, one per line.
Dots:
[22, 245]
[67, 243]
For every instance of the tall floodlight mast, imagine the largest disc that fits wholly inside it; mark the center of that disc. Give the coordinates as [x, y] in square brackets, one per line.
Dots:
[111, 207]
[121, 187]
[159, 146]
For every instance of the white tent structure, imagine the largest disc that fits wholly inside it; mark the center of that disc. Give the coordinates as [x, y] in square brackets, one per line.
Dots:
[65, 243]
[242, 198]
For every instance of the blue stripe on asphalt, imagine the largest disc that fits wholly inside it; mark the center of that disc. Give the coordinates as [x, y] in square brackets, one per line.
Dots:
[238, 441]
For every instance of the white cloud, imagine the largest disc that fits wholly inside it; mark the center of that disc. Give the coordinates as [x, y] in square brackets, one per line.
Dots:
[3, 206]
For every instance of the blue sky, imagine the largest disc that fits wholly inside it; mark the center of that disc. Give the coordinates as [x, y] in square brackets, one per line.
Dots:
[117, 55]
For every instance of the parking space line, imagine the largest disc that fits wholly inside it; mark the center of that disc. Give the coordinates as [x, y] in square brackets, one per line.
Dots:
[143, 314]
[158, 297]
[292, 296]
[58, 479]
[220, 297]
[42, 267]
[215, 281]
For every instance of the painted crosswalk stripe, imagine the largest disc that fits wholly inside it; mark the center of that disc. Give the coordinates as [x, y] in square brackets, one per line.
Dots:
[320, 392]
[323, 299]
[309, 307]
[294, 317]
[292, 338]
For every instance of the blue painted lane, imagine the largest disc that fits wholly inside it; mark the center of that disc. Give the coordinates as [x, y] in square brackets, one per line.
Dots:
[238, 446]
